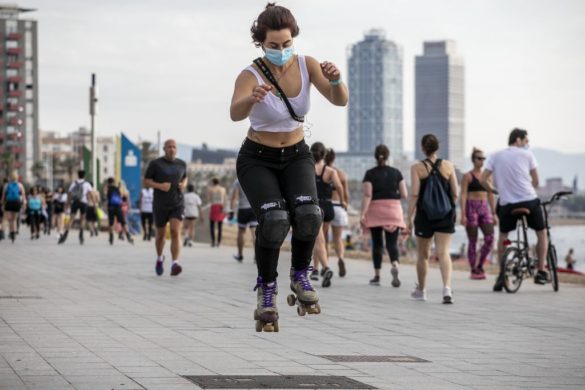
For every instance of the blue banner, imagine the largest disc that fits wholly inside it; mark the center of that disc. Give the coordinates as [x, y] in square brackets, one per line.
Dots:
[131, 169]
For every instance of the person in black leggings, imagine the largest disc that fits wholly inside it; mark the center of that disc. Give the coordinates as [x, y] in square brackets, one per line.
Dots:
[274, 166]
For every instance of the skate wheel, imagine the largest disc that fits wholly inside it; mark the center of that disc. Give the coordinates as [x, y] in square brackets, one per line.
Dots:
[276, 327]
[317, 308]
[301, 310]
[291, 300]
[268, 328]
[258, 326]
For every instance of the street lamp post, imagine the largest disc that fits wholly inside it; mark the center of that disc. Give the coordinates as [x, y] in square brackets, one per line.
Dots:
[93, 110]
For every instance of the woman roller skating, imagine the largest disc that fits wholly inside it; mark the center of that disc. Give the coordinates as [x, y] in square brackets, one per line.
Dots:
[274, 166]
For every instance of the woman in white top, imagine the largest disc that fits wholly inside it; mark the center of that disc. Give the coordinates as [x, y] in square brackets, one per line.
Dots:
[145, 201]
[192, 213]
[275, 167]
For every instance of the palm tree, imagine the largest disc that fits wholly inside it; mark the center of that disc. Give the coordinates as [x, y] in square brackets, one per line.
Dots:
[69, 164]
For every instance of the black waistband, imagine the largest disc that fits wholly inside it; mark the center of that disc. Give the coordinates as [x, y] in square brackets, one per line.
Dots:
[286, 150]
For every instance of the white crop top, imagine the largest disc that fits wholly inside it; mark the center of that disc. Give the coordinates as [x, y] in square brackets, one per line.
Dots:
[272, 115]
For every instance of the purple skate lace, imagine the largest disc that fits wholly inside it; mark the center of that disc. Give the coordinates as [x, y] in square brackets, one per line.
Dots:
[268, 292]
[301, 277]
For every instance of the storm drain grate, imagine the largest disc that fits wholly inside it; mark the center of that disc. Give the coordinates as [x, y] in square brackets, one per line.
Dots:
[18, 297]
[276, 382]
[372, 359]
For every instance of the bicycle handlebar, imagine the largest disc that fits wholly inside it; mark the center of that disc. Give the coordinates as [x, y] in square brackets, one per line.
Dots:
[557, 196]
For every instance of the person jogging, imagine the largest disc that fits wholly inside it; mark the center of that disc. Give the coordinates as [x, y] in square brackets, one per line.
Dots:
[146, 218]
[340, 219]
[246, 218]
[13, 200]
[114, 199]
[167, 175]
[478, 211]
[383, 187]
[515, 173]
[78, 191]
[274, 165]
[432, 212]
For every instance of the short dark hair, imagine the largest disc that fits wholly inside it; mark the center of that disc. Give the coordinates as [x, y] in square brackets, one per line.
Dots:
[515, 134]
[430, 144]
[215, 181]
[190, 188]
[381, 154]
[110, 180]
[81, 174]
[275, 18]
[329, 156]
[318, 150]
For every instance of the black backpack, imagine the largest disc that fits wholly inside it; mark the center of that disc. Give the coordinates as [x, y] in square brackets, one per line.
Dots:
[436, 201]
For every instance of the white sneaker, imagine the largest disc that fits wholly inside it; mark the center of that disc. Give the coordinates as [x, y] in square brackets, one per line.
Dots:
[447, 295]
[418, 295]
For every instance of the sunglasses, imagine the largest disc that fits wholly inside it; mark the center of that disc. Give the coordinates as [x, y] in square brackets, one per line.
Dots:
[480, 158]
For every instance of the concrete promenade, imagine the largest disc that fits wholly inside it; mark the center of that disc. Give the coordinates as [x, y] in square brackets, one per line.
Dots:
[97, 317]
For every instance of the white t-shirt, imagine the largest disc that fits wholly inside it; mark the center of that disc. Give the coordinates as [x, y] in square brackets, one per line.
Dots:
[86, 188]
[192, 203]
[511, 169]
[147, 197]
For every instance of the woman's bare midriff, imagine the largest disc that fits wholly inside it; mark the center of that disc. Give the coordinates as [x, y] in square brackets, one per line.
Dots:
[477, 195]
[278, 139]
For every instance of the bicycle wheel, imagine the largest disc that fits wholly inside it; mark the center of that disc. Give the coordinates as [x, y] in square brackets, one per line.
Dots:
[513, 272]
[551, 259]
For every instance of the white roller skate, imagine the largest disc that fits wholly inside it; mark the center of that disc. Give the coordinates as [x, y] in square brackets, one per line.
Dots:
[304, 295]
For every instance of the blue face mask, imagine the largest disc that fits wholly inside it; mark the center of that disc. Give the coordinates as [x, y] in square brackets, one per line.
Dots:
[526, 146]
[279, 57]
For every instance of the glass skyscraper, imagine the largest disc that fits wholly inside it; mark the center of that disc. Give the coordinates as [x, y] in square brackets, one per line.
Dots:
[440, 100]
[375, 95]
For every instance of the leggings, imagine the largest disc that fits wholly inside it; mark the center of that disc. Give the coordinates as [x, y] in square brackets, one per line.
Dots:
[478, 215]
[281, 179]
[212, 230]
[378, 245]
[35, 221]
[147, 219]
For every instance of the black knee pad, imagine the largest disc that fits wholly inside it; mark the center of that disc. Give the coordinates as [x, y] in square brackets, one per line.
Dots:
[273, 226]
[308, 217]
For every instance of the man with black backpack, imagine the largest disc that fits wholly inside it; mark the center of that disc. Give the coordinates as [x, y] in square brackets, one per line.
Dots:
[78, 191]
[114, 198]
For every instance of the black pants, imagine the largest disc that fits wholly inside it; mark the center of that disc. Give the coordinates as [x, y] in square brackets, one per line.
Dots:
[147, 220]
[283, 176]
[35, 221]
[212, 231]
[378, 245]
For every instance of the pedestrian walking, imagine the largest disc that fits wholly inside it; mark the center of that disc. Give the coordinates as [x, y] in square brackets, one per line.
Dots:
[326, 180]
[13, 201]
[246, 218]
[383, 188]
[91, 215]
[192, 213]
[77, 198]
[216, 197]
[432, 211]
[146, 217]
[274, 165]
[59, 201]
[35, 212]
[167, 175]
[340, 218]
[478, 211]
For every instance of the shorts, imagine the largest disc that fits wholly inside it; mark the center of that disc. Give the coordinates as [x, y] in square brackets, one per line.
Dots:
[191, 218]
[91, 214]
[328, 212]
[162, 216]
[12, 207]
[78, 206]
[247, 218]
[508, 222]
[116, 212]
[216, 213]
[59, 208]
[478, 213]
[340, 219]
[425, 228]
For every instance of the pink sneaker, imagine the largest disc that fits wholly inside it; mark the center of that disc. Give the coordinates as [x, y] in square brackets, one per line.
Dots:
[475, 275]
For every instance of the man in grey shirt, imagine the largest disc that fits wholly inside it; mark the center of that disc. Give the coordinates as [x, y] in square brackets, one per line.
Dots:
[246, 217]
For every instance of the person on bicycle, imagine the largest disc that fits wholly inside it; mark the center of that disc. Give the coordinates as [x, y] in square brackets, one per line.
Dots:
[516, 179]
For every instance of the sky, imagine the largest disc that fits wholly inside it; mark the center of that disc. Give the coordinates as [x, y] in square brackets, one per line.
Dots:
[170, 66]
